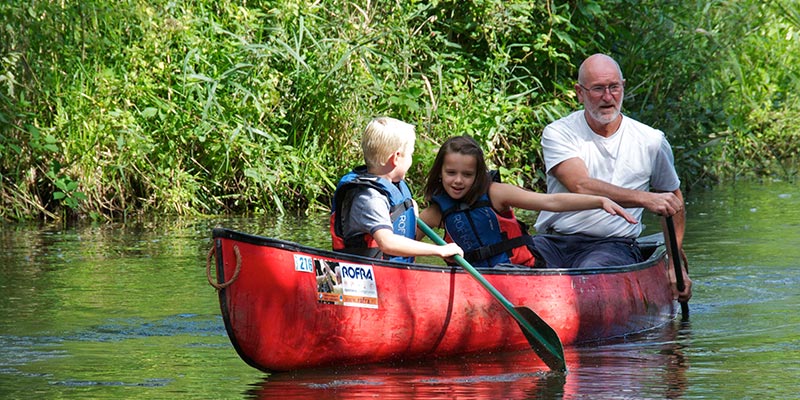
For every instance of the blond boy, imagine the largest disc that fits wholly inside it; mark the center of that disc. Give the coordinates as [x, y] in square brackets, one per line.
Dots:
[373, 212]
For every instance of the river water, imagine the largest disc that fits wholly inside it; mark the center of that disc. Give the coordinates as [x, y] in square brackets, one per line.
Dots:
[124, 311]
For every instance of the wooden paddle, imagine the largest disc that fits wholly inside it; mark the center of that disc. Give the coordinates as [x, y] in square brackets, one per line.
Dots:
[675, 256]
[542, 338]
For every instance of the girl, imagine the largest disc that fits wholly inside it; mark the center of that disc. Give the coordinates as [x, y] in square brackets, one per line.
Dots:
[477, 213]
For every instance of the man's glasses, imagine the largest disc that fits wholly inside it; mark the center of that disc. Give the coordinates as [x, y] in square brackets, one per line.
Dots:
[599, 90]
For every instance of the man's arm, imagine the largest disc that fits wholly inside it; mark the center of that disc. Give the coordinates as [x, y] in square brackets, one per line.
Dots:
[572, 173]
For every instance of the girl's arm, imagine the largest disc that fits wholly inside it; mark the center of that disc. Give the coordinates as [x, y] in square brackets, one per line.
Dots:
[432, 216]
[504, 196]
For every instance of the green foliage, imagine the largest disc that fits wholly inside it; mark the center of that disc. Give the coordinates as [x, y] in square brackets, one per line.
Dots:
[110, 109]
[719, 78]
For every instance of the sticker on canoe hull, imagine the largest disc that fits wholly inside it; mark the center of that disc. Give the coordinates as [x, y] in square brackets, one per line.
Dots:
[303, 263]
[346, 284]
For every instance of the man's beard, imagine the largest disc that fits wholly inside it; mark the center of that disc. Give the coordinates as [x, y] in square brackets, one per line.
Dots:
[603, 118]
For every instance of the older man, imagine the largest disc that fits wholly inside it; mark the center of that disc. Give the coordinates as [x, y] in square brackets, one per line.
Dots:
[600, 151]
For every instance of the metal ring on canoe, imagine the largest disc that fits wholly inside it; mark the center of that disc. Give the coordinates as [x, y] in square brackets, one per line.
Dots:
[223, 285]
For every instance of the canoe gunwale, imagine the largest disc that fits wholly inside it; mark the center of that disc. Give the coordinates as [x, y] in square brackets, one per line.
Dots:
[500, 269]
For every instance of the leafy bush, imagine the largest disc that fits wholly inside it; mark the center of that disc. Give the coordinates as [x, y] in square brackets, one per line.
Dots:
[719, 78]
[115, 109]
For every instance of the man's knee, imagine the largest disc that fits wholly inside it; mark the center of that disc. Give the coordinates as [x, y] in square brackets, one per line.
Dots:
[547, 251]
[608, 256]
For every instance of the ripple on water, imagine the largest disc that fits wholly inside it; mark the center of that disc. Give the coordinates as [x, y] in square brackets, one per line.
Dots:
[133, 328]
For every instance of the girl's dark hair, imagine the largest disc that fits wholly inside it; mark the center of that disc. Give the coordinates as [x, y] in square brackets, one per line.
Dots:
[469, 147]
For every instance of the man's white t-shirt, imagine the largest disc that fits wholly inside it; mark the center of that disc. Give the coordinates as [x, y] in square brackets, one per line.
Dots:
[635, 157]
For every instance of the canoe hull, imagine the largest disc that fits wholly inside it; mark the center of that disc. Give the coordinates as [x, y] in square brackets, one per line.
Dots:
[282, 313]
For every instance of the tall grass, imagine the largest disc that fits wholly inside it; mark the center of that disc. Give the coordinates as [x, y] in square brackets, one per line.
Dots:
[115, 109]
[721, 79]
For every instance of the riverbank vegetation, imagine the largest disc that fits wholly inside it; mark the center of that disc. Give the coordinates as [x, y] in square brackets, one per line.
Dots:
[112, 109]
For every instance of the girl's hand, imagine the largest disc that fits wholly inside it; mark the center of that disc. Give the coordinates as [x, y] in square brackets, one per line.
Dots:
[615, 209]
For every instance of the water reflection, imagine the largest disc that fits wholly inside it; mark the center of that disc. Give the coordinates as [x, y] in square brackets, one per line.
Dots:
[645, 366]
[517, 375]
[652, 365]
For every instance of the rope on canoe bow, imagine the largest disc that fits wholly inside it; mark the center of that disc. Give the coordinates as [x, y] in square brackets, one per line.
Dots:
[211, 281]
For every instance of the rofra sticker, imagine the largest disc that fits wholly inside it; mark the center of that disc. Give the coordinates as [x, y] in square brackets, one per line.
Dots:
[346, 284]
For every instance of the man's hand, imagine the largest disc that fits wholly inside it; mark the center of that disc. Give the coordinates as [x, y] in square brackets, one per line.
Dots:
[666, 203]
[686, 294]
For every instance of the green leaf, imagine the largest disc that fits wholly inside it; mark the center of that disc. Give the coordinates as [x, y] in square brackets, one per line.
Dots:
[149, 112]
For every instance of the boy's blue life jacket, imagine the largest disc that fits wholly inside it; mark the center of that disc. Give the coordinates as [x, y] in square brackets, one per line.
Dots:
[401, 207]
[487, 238]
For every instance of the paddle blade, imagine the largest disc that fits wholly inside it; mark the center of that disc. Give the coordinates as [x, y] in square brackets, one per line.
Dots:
[553, 353]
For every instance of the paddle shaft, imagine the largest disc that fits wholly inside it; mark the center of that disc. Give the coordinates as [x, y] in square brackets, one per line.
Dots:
[675, 255]
[555, 357]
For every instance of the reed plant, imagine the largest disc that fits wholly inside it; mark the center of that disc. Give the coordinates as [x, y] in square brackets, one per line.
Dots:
[117, 109]
[720, 79]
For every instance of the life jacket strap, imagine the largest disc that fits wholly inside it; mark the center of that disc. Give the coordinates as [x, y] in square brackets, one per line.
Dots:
[401, 208]
[487, 252]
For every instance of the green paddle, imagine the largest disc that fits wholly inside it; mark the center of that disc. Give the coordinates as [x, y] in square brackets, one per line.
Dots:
[542, 337]
[675, 255]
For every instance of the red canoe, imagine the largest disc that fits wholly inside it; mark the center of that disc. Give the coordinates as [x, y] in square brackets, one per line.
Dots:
[287, 306]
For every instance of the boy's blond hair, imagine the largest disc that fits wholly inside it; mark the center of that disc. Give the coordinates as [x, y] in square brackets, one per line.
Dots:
[383, 137]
